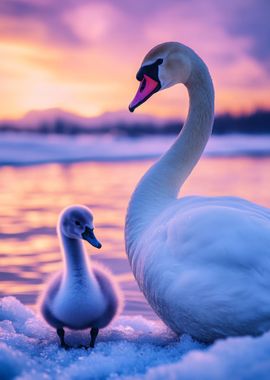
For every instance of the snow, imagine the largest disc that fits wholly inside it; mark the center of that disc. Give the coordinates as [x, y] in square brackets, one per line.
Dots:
[130, 348]
[28, 149]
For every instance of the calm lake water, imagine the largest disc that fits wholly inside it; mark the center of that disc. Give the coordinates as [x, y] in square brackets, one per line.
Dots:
[32, 197]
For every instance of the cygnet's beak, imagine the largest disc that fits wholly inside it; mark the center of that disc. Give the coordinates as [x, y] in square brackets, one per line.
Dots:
[148, 86]
[89, 235]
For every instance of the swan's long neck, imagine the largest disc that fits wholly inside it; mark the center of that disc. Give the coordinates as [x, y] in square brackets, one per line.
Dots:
[161, 184]
[77, 267]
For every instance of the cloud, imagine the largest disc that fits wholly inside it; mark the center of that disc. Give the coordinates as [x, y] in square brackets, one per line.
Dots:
[83, 55]
[92, 22]
[23, 18]
[250, 19]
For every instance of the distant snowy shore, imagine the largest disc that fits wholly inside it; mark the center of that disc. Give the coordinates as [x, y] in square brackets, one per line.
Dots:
[23, 149]
[131, 348]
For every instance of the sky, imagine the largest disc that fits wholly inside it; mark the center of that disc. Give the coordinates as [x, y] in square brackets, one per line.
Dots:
[82, 56]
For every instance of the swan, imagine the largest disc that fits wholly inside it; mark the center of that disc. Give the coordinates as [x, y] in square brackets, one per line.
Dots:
[83, 295]
[203, 263]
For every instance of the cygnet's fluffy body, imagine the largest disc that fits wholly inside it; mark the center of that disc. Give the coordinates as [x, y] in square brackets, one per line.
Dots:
[83, 295]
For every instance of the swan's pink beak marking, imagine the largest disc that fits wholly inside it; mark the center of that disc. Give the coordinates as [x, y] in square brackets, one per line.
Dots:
[148, 87]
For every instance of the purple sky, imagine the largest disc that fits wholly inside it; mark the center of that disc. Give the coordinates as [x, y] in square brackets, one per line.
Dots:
[83, 55]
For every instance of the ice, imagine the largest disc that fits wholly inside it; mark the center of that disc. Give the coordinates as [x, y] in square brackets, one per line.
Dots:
[130, 348]
[27, 149]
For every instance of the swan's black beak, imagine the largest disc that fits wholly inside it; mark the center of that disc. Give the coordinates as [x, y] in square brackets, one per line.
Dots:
[148, 76]
[89, 236]
[148, 86]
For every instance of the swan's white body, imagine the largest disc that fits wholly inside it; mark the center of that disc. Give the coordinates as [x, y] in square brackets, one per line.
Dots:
[83, 295]
[203, 263]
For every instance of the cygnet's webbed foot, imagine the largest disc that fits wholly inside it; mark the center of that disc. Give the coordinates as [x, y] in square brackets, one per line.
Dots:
[66, 346]
[93, 333]
[61, 334]
[82, 346]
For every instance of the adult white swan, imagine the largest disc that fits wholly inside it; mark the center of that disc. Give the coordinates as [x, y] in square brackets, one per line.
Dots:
[203, 263]
[83, 295]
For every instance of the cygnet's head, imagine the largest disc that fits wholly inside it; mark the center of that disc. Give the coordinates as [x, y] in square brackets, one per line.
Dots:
[164, 66]
[76, 222]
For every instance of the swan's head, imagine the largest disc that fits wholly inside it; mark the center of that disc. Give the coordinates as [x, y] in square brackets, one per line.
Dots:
[164, 66]
[76, 222]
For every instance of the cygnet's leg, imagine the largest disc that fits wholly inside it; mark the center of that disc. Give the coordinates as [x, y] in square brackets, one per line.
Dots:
[61, 334]
[93, 333]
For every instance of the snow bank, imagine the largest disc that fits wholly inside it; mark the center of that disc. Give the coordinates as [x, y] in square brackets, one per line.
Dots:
[23, 149]
[131, 348]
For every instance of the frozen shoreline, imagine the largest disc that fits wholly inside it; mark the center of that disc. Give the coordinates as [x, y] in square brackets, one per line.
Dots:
[23, 149]
[131, 348]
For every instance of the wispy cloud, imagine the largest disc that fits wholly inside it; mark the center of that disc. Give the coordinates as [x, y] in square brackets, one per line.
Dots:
[83, 55]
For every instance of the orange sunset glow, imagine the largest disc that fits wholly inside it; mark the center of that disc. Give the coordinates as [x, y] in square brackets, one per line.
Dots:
[82, 56]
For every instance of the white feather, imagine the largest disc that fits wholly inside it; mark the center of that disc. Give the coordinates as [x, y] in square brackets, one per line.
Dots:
[202, 263]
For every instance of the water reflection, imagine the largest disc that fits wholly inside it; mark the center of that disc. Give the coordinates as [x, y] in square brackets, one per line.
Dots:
[32, 197]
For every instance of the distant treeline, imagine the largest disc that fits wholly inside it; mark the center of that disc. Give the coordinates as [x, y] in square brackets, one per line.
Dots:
[255, 123]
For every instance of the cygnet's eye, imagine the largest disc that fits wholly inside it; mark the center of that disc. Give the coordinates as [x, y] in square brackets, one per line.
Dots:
[77, 223]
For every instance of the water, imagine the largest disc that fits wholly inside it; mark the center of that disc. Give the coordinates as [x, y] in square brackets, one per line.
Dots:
[27, 149]
[32, 197]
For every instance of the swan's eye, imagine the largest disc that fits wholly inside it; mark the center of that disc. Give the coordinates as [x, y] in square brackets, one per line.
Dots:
[77, 223]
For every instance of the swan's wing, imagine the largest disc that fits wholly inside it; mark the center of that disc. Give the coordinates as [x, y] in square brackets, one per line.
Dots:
[47, 298]
[202, 225]
[111, 293]
[211, 255]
